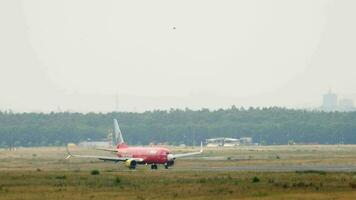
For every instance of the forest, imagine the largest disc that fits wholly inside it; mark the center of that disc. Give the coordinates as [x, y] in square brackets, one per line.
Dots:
[272, 125]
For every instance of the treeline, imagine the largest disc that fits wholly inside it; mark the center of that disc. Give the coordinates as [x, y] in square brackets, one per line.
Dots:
[265, 125]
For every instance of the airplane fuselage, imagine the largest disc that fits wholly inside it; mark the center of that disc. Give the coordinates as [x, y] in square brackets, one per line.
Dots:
[150, 155]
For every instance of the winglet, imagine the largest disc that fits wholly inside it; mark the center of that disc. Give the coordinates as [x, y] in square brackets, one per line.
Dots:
[69, 154]
[201, 147]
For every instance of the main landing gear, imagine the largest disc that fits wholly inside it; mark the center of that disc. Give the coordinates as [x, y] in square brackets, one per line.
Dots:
[154, 166]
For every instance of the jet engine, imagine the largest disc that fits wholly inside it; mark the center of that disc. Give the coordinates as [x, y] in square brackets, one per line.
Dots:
[170, 158]
[170, 162]
[131, 164]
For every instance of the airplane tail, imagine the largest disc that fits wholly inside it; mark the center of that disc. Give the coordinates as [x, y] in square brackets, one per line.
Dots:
[118, 136]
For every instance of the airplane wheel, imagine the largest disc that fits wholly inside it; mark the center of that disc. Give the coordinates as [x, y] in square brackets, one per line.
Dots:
[153, 166]
[166, 166]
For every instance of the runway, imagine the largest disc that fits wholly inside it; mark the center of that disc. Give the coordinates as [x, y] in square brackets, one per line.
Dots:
[275, 168]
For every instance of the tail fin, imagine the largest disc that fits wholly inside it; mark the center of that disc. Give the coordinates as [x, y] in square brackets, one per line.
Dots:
[118, 136]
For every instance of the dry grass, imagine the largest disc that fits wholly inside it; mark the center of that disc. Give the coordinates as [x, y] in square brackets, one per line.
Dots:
[174, 185]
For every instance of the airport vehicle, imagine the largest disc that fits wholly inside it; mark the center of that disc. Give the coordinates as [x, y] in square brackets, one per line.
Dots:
[133, 156]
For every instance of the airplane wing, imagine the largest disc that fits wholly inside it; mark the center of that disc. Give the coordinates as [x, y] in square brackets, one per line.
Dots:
[104, 158]
[181, 155]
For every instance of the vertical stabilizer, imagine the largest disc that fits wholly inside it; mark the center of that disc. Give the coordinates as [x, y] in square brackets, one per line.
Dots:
[117, 132]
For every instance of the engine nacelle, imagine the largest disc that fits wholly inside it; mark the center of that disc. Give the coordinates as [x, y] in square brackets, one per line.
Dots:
[131, 164]
[170, 163]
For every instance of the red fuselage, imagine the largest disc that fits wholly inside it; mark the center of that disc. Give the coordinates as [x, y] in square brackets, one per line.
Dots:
[150, 155]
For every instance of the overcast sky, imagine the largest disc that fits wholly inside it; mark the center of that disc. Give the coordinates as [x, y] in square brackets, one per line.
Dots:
[77, 54]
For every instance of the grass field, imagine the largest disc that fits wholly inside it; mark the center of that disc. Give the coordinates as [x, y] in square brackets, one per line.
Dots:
[42, 173]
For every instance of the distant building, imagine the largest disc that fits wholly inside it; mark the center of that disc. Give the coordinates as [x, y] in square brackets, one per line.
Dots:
[329, 101]
[346, 105]
[246, 141]
[215, 142]
[231, 142]
[95, 144]
[228, 142]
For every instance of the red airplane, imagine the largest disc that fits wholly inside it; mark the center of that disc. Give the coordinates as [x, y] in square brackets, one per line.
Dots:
[133, 156]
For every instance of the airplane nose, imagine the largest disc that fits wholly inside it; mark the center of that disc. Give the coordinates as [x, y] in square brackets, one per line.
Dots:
[170, 157]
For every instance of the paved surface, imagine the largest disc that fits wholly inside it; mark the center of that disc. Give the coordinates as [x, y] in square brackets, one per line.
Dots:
[276, 168]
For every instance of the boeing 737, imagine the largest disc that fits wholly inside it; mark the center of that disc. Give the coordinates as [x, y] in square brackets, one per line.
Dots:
[133, 156]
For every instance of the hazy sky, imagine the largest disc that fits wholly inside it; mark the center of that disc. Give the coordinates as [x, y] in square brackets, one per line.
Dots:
[77, 54]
